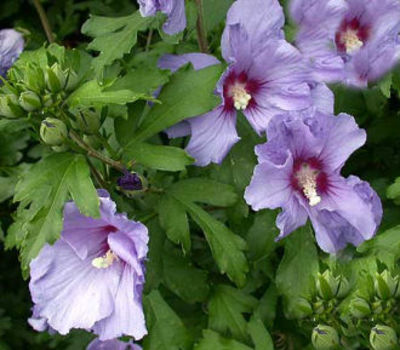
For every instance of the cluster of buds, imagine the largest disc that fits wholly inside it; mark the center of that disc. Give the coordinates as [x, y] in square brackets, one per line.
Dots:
[382, 304]
[378, 310]
[330, 290]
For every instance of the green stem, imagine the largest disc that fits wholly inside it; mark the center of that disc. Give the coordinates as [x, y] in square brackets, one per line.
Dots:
[91, 152]
[201, 28]
[96, 174]
[148, 41]
[44, 20]
[106, 145]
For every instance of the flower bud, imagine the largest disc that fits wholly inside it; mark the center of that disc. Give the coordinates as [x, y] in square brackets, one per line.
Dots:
[48, 100]
[385, 285]
[359, 308]
[343, 288]
[383, 338]
[72, 81]
[9, 107]
[92, 141]
[55, 78]
[87, 121]
[327, 285]
[319, 307]
[29, 101]
[53, 131]
[301, 308]
[325, 338]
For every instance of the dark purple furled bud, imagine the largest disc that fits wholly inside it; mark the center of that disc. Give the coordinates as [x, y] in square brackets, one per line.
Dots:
[130, 182]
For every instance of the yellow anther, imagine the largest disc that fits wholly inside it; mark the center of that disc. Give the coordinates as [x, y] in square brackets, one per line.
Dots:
[102, 262]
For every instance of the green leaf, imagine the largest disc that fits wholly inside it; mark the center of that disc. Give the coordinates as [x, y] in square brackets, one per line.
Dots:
[158, 157]
[91, 93]
[299, 266]
[385, 85]
[182, 278]
[385, 246]
[154, 265]
[226, 247]
[114, 37]
[205, 191]
[166, 330]
[226, 307]
[43, 193]
[393, 191]
[143, 80]
[259, 334]
[215, 12]
[266, 309]
[213, 341]
[13, 139]
[174, 220]
[188, 94]
[261, 235]
[7, 185]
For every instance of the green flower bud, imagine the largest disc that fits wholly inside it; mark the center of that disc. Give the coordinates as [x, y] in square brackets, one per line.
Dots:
[344, 287]
[325, 338]
[319, 307]
[327, 285]
[55, 78]
[87, 121]
[30, 101]
[53, 131]
[92, 141]
[359, 308]
[301, 308]
[397, 280]
[9, 107]
[385, 285]
[383, 338]
[48, 100]
[72, 81]
[377, 307]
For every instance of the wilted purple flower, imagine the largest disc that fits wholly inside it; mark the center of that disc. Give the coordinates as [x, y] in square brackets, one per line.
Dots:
[93, 276]
[113, 344]
[265, 77]
[174, 9]
[299, 171]
[11, 45]
[353, 41]
[130, 182]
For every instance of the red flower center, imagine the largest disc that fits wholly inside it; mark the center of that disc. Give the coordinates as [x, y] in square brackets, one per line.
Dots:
[351, 36]
[239, 91]
[309, 179]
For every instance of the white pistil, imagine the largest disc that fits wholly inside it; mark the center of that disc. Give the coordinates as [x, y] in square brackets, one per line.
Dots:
[240, 96]
[102, 262]
[307, 178]
[352, 41]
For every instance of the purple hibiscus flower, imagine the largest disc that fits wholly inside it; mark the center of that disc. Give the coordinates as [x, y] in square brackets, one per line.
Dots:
[266, 76]
[113, 344]
[299, 171]
[11, 46]
[93, 276]
[174, 9]
[353, 41]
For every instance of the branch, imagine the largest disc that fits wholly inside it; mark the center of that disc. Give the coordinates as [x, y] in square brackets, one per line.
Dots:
[95, 154]
[201, 29]
[44, 20]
